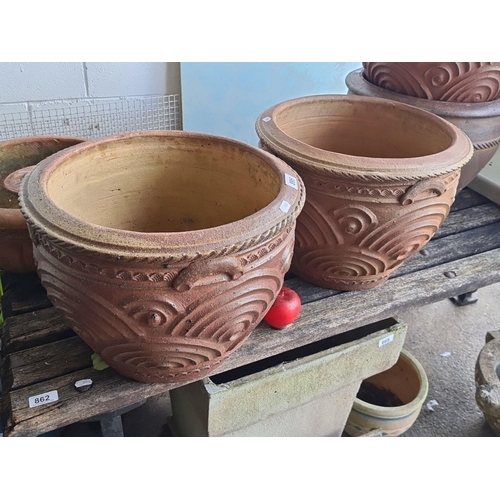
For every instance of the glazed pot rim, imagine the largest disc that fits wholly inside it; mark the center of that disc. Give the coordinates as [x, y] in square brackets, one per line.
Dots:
[376, 169]
[450, 109]
[41, 212]
[397, 412]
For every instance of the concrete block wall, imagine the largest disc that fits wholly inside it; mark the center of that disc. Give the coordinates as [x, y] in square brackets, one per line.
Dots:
[35, 96]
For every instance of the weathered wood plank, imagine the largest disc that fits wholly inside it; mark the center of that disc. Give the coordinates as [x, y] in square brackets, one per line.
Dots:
[474, 217]
[109, 392]
[351, 310]
[468, 198]
[28, 297]
[318, 320]
[31, 329]
[453, 247]
[10, 280]
[45, 362]
[437, 252]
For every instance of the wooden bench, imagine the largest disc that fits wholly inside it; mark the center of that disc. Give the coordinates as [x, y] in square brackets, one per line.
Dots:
[40, 354]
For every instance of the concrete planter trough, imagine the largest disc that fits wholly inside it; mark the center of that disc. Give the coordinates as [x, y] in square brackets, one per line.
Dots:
[308, 391]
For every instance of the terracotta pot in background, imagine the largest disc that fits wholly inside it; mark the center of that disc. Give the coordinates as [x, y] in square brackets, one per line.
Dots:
[480, 121]
[380, 179]
[163, 250]
[16, 254]
[465, 82]
[406, 381]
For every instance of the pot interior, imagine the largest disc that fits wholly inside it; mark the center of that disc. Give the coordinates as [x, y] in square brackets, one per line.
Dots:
[162, 184]
[367, 129]
[17, 154]
[402, 380]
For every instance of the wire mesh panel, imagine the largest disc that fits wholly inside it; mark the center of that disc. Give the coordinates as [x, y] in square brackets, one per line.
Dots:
[94, 118]
[14, 125]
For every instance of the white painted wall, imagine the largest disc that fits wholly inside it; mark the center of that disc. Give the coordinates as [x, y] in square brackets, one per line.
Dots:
[22, 82]
[87, 99]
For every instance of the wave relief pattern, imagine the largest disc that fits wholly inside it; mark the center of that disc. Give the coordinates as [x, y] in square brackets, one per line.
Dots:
[153, 333]
[463, 82]
[354, 247]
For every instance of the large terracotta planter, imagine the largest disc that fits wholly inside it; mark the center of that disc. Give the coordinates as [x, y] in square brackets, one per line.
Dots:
[16, 155]
[380, 179]
[379, 413]
[479, 120]
[466, 82]
[162, 250]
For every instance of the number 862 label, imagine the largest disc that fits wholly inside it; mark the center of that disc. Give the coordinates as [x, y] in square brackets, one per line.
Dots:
[43, 399]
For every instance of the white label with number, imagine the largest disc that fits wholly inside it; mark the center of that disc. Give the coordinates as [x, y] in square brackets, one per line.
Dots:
[285, 206]
[43, 399]
[386, 340]
[291, 181]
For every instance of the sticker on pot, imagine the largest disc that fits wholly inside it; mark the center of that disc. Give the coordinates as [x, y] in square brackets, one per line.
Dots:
[386, 340]
[285, 206]
[266, 119]
[43, 399]
[291, 181]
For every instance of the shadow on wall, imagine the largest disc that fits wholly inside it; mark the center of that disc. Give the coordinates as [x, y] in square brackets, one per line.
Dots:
[226, 98]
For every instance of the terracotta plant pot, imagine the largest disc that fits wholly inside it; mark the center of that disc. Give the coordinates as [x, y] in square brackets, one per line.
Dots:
[16, 155]
[480, 121]
[162, 250]
[487, 377]
[465, 82]
[380, 179]
[406, 384]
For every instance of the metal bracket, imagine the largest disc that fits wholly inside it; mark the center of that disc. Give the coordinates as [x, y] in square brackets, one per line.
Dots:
[464, 299]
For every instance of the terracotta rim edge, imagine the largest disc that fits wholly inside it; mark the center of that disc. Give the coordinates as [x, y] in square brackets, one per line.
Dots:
[75, 232]
[396, 169]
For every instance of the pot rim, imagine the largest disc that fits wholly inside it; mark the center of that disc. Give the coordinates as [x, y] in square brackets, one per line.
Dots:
[356, 82]
[403, 411]
[40, 212]
[12, 218]
[359, 167]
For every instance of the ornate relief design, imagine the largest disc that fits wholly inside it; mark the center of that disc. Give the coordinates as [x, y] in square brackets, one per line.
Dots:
[348, 245]
[333, 187]
[166, 330]
[354, 186]
[486, 145]
[465, 82]
[81, 261]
